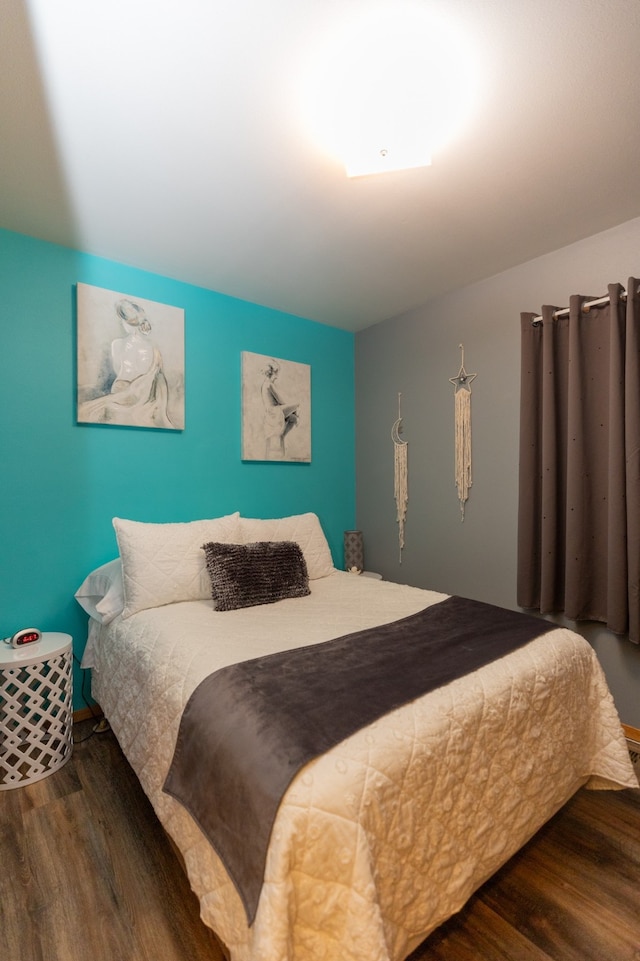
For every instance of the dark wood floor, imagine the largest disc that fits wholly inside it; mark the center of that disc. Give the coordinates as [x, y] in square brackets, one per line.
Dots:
[86, 874]
[572, 894]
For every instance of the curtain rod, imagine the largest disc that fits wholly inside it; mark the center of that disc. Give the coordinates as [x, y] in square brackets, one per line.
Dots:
[536, 321]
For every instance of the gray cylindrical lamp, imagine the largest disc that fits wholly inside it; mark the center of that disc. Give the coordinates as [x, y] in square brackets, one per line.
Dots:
[353, 551]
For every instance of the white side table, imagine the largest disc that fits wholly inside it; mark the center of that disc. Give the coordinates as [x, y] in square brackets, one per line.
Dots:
[36, 716]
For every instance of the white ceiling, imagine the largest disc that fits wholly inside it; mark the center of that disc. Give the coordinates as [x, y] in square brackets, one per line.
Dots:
[167, 135]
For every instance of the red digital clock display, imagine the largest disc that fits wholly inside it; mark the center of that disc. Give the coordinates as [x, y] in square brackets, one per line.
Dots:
[28, 635]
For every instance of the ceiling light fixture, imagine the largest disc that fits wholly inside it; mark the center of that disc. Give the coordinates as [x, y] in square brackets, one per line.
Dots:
[390, 88]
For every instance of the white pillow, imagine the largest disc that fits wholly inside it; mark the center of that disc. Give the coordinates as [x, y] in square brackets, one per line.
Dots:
[165, 563]
[304, 529]
[101, 593]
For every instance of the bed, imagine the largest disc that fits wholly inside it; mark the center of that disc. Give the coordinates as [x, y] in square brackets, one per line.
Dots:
[380, 839]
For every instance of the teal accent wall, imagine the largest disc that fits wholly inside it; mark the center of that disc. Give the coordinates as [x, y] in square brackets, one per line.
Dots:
[63, 482]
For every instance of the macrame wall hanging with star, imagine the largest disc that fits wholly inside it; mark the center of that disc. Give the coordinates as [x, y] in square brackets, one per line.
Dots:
[462, 397]
[400, 475]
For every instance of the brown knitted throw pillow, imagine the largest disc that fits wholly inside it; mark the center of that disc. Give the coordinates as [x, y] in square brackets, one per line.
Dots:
[244, 575]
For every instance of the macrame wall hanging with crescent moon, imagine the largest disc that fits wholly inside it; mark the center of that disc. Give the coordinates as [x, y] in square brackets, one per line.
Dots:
[400, 475]
[462, 397]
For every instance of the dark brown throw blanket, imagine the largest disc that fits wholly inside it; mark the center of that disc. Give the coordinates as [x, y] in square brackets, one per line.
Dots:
[249, 728]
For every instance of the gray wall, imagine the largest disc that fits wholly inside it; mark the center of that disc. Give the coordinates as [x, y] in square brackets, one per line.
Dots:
[415, 354]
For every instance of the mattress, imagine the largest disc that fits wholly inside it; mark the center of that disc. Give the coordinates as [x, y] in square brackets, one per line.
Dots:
[382, 838]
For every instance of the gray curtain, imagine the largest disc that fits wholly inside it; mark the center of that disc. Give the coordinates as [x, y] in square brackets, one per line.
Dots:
[579, 508]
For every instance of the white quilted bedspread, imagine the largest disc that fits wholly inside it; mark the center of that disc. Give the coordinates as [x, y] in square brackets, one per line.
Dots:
[383, 838]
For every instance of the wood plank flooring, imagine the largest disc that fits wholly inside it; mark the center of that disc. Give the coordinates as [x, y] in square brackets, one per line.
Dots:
[572, 894]
[87, 874]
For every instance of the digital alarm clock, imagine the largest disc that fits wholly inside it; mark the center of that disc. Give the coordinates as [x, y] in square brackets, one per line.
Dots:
[28, 635]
